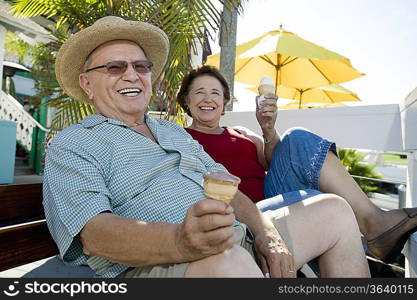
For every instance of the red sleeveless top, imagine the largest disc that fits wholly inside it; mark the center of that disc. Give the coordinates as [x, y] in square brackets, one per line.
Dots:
[237, 154]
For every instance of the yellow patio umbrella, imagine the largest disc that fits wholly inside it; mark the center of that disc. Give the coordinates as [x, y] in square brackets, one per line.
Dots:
[333, 93]
[296, 105]
[290, 60]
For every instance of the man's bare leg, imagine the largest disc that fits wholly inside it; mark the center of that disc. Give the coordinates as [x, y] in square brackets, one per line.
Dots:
[234, 263]
[324, 226]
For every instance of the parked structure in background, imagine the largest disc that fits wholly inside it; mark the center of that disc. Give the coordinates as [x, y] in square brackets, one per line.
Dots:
[9, 70]
[26, 29]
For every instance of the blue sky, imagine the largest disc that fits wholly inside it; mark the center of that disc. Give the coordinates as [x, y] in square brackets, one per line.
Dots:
[379, 37]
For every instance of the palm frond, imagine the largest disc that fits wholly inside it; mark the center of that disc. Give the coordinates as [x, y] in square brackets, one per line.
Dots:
[31, 8]
[69, 112]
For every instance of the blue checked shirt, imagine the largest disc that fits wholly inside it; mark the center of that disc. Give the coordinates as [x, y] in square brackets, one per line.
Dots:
[102, 165]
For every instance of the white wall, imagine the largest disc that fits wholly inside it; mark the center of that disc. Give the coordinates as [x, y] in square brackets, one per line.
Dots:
[408, 110]
[376, 127]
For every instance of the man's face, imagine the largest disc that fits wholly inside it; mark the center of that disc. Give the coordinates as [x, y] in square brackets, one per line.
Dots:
[119, 96]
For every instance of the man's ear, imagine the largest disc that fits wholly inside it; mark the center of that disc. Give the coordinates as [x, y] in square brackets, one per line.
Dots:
[85, 84]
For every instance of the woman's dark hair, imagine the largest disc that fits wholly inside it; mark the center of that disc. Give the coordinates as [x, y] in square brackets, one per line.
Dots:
[188, 80]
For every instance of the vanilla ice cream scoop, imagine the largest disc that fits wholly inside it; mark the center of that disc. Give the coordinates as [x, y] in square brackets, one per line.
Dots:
[266, 86]
[220, 186]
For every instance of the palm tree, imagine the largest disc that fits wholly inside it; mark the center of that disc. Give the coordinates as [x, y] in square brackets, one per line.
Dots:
[186, 22]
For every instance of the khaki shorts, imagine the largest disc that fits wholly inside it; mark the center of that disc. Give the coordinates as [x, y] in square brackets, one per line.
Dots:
[242, 238]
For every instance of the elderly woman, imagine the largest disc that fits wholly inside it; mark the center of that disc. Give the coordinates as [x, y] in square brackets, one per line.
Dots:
[299, 165]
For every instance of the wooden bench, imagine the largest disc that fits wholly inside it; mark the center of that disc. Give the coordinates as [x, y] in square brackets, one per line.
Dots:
[24, 236]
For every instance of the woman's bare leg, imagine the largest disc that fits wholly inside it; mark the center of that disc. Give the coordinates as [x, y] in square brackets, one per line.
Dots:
[325, 226]
[372, 220]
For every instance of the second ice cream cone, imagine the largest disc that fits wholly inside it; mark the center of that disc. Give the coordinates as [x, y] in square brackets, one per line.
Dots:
[266, 89]
[266, 86]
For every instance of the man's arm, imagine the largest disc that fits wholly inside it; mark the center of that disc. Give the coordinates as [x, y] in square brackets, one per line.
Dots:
[129, 241]
[205, 231]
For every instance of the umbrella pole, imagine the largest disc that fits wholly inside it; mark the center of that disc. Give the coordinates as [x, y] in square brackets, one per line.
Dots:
[277, 71]
[301, 97]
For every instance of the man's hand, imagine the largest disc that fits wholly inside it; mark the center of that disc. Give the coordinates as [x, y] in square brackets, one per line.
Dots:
[266, 113]
[273, 255]
[206, 230]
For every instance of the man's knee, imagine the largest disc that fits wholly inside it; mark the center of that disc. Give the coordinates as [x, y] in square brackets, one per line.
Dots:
[336, 218]
[338, 209]
[234, 262]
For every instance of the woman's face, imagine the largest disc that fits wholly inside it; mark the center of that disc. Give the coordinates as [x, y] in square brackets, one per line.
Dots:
[205, 100]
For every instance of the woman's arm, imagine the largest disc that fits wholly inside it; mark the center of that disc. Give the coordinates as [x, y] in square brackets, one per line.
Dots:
[266, 114]
[264, 150]
[258, 141]
[270, 248]
[270, 144]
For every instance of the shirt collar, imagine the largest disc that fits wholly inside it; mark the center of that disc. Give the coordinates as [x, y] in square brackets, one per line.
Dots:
[96, 119]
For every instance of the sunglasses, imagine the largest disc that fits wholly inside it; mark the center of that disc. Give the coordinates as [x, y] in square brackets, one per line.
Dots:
[119, 67]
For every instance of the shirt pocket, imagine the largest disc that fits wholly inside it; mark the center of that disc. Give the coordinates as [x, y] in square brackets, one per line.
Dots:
[189, 150]
[185, 145]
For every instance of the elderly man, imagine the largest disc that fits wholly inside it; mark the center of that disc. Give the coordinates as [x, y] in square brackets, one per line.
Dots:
[123, 192]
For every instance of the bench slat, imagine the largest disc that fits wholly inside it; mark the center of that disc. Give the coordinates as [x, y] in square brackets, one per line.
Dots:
[20, 202]
[24, 244]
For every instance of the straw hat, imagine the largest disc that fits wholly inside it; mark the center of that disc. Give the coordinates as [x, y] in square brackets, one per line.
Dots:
[74, 52]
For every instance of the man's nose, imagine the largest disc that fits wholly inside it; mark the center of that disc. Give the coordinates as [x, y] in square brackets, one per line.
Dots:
[130, 73]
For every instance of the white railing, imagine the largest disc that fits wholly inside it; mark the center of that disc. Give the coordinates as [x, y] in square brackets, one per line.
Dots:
[12, 110]
[377, 127]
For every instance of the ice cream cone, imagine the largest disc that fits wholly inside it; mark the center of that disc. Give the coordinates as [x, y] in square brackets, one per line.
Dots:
[266, 86]
[221, 186]
[266, 89]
